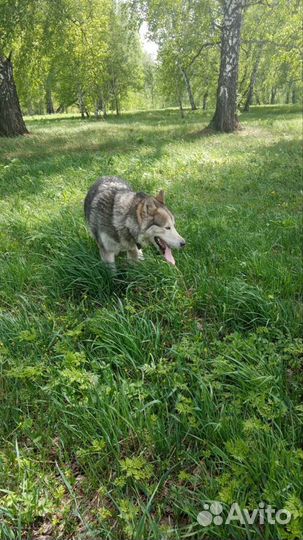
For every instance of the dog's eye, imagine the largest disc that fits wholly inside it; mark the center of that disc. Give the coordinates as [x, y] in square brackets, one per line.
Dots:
[168, 228]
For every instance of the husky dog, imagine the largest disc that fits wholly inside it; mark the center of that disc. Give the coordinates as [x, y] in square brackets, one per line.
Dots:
[122, 220]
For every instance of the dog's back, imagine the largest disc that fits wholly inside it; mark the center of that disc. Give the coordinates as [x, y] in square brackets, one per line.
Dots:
[99, 205]
[123, 220]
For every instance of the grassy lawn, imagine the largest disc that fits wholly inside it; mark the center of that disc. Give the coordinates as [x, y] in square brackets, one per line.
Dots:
[128, 403]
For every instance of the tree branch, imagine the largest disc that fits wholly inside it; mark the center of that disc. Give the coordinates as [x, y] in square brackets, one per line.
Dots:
[204, 46]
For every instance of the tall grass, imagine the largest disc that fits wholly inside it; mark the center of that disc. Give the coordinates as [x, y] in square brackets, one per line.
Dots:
[130, 401]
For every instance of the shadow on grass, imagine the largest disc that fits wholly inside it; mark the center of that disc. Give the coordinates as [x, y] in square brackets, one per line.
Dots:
[161, 115]
[129, 117]
[31, 160]
[274, 111]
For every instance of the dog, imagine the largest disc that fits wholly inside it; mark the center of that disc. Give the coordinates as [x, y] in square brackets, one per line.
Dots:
[120, 219]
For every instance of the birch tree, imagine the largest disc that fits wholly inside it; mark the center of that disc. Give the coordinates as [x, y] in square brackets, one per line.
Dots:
[225, 118]
[178, 26]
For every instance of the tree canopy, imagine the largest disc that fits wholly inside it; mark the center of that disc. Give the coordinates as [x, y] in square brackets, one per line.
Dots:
[88, 55]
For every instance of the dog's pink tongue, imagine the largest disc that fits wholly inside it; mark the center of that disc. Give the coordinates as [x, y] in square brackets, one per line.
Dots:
[169, 256]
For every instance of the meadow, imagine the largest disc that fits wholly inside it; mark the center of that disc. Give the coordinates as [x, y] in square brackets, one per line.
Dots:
[130, 401]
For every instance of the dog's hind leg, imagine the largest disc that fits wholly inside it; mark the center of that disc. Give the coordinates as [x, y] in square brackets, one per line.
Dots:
[135, 255]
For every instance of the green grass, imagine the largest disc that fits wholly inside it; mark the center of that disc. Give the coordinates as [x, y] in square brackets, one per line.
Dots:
[127, 403]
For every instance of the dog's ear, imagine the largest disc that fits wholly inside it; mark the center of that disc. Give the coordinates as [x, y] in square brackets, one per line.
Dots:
[160, 197]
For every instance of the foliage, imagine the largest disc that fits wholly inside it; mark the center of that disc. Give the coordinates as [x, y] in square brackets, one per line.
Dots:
[88, 54]
[188, 35]
[73, 52]
[274, 36]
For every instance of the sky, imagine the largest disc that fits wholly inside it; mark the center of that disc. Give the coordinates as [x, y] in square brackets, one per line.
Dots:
[149, 46]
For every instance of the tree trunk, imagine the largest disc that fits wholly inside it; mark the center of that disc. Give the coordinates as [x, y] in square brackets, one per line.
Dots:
[103, 109]
[252, 82]
[117, 104]
[181, 107]
[100, 105]
[205, 98]
[11, 120]
[188, 88]
[242, 83]
[30, 109]
[273, 96]
[81, 104]
[115, 97]
[249, 97]
[97, 110]
[152, 94]
[293, 96]
[225, 118]
[49, 102]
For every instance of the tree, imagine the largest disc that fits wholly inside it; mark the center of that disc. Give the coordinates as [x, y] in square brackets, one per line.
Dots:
[252, 81]
[149, 67]
[124, 65]
[178, 27]
[88, 54]
[188, 87]
[170, 80]
[11, 120]
[270, 52]
[225, 118]
[205, 76]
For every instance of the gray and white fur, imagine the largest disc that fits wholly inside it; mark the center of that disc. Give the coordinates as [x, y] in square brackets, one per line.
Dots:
[122, 220]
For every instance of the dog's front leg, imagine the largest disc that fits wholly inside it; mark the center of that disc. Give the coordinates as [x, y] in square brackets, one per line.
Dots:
[108, 257]
[135, 255]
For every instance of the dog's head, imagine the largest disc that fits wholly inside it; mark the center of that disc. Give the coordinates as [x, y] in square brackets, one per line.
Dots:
[157, 226]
